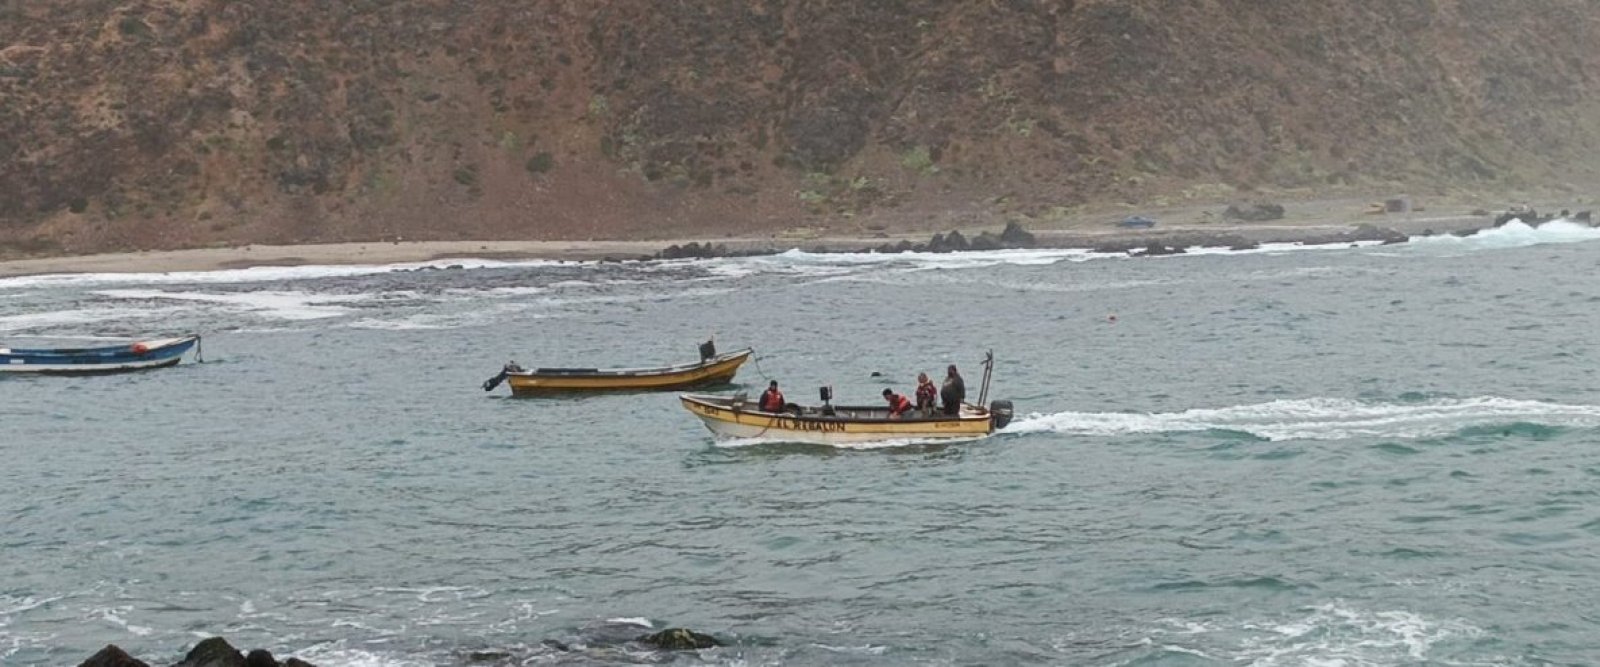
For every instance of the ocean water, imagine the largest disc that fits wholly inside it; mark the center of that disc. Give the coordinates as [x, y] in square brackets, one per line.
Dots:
[1292, 456]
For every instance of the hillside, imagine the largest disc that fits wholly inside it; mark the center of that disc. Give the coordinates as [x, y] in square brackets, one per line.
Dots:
[179, 123]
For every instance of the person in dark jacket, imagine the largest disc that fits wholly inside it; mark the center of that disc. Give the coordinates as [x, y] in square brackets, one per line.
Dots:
[953, 392]
[772, 399]
[898, 405]
[927, 394]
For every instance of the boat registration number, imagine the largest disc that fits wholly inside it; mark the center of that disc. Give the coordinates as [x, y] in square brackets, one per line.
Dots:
[798, 425]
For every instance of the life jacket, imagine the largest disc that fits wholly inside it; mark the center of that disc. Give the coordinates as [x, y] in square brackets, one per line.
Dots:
[898, 404]
[772, 401]
[926, 393]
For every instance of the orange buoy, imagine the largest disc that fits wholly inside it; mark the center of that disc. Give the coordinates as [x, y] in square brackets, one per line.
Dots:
[140, 348]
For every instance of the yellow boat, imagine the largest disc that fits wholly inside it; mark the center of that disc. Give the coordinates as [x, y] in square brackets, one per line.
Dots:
[731, 417]
[712, 369]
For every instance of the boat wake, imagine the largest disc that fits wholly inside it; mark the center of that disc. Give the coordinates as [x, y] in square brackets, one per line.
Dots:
[1323, 419]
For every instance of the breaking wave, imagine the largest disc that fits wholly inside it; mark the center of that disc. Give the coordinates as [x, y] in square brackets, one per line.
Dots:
[1514, 234]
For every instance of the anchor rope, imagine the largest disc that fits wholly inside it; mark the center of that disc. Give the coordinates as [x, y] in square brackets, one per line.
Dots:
[757, 358]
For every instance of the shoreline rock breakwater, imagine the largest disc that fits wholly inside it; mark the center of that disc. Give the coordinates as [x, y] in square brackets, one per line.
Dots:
[1014, 237]
[1143, 243]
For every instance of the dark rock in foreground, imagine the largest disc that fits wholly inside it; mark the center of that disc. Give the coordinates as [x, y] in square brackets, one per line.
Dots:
[112, 656]
[679, 639]
[213, 652]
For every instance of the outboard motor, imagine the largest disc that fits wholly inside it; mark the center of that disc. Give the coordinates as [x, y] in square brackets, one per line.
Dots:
[491, 383]
[708, 350]
[1000, 412]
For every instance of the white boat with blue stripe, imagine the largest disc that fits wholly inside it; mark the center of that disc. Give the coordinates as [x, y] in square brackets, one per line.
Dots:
[136, 356]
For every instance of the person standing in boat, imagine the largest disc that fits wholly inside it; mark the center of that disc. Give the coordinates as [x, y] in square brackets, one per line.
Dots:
[926, 395]
[953, 392]
[898, 405]
[772, 399]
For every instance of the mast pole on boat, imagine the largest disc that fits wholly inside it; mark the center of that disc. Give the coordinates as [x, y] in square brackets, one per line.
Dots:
[988, 371]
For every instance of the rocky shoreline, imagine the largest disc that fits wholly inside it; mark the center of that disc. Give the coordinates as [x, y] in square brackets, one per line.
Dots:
[1136, 244]
[1243, 229]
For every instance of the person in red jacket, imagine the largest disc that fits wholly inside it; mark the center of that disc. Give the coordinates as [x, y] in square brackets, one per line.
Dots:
[898, 405]
[772, 399]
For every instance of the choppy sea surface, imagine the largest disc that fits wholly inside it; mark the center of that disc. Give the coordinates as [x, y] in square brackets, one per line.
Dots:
[1291, 456]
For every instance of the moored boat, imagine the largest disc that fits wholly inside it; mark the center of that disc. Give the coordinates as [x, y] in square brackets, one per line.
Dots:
[713, 369]
[734, 417]
[99, 360]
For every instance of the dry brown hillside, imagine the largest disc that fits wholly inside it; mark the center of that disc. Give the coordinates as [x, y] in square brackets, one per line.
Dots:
[168, 123]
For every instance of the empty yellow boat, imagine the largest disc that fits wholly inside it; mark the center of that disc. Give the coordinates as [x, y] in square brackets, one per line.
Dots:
[712, 370]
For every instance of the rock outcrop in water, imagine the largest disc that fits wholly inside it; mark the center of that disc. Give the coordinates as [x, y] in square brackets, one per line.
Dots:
[213, 652]
[679, 639]
[608, 642]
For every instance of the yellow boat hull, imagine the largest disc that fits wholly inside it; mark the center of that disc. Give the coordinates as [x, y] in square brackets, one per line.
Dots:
[720, 370]
[730, 420]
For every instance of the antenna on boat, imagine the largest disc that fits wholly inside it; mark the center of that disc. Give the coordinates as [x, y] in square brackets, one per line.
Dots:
[988, 371]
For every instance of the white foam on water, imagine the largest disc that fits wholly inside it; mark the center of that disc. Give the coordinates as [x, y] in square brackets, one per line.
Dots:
[1514, 234]
[499, 291]
[114, 616]
[1335, 634]
[520, 613]
[633, 620]
[1320, 419]
[28, 321]
[1277, 248]
[11, 605]
[339, 654]
[631, 298]
[277, 305]
[259, 273]
[866, 649]
[438, 593]
[949, 260]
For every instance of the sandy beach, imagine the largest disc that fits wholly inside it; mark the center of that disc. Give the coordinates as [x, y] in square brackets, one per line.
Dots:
[1304, 223]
